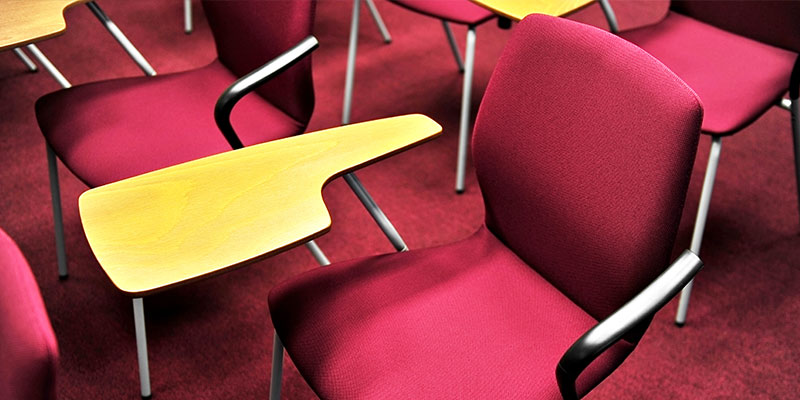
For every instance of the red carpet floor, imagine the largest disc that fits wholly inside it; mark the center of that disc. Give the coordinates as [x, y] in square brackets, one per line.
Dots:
[212, 339]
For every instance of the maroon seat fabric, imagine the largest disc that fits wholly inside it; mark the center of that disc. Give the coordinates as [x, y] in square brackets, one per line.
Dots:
[737, 78]
[458, 11]
[583, 149]
[28, 349]
[124, 127]
[469, 320]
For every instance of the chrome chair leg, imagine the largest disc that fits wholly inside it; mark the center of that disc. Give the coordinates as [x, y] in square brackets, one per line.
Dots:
[464, 126]
[26, 60]
[700, 222]
[376, 16]
[141, 348]
[126, 44]
[453, 46]
[187, 16]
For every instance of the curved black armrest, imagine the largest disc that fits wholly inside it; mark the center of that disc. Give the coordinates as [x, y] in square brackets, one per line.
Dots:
[628, 317]
[611, 17]
[249, 82]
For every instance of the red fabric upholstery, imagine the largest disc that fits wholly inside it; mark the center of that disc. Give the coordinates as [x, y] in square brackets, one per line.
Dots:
[28, 349]
[250, 33]
[583, 147]
[768, 21]
[468, 320]
[458, 11]
[125, 127]
[737, 78]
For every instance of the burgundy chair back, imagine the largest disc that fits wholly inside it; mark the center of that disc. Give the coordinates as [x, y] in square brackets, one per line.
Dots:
[28, 350]
[585, 179]
[775, 22]
[250, 33]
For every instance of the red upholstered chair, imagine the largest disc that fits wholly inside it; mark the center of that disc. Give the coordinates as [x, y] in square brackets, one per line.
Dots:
[28, 348]
[448, 11]
[740, 57]
[583, 148]
[107, 131]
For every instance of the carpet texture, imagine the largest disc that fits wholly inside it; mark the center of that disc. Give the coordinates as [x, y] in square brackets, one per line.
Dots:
[212, 339]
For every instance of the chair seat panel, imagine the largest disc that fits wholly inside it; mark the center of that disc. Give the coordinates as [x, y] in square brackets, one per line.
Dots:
[736, 78]
[486, 324]
[92, 129]
[457, 11]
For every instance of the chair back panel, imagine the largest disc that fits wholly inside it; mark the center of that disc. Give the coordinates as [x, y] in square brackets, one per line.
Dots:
[250, 33]
[28, 350]
[583, 148]
[768, 21]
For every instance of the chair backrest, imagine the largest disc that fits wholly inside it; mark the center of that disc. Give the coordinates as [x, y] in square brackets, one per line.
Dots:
[250, 33]
[583, 147]
[775, 22]
[28, 350]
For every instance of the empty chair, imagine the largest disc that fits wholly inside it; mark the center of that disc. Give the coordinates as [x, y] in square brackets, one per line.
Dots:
[583, 149]
[741, 58]
[28, 348]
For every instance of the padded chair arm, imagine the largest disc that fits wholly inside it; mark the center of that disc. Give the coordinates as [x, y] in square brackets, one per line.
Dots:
[251, 81]
[206, 216]
[607, 332]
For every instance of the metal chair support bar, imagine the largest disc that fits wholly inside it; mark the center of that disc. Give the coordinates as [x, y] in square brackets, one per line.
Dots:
[629, 317]
[249, 82]
[126, 44]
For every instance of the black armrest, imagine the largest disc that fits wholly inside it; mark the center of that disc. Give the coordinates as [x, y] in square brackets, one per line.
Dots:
[628, 317]
[249, 82]
[611, 17]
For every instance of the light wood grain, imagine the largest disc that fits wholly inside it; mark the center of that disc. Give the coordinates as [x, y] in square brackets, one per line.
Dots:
[519, 9]
[27, 21]
[195, 219]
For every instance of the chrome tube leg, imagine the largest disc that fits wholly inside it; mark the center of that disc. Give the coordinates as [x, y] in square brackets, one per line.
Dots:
[794, 108]
[58, 219]
[350, 74]
[700, 222]
[376, 16]
[276, 377]
[375, 211]
[52, 168]
[464, 128]
[321, 258]
[48, 66]
[453, 46]
[187, 16]
[26, 60]
[611, 18]
[141, 347]
[126, 44]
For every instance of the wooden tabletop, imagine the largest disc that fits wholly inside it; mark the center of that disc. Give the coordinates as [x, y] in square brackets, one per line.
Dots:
[206, 216]
[518, 9]
[27, 21]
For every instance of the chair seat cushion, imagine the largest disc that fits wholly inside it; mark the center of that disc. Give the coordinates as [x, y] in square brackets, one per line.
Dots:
[469, 320]
[110, 130]
[28, 349]
[458, 11]
[736, 78]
